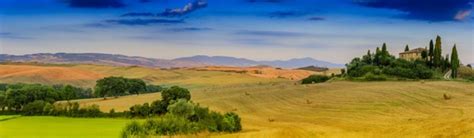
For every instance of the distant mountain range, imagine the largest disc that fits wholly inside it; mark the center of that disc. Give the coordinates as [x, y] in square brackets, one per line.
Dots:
[194, 61]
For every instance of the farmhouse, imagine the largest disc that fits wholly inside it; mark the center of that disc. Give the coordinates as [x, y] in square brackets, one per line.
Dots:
[413, 54]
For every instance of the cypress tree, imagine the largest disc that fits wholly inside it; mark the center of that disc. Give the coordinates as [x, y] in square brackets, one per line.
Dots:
[367, 58]
[384, 50]
[369, 55]
[377, 56]
[438, 52]
[446, 64]
[454, 62]
[424, 54]
[384, 56]
[407, 48]
[431, 53]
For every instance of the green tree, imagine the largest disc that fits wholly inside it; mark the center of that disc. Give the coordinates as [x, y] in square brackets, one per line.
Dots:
[445, 63]
[455, 63]
[15, 99]
[111, 86]
[385, 50]
[367, 58]
[437, 52]
[174, 93]
[431, 54]
[424, 55]
[377, 56]
[69, 93]
[407, 48]
[34, 108]
[135, 86]
[315, 79]
[385, 57]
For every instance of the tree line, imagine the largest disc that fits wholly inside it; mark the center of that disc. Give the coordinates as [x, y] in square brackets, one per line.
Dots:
[381, 65]
[14, 97]
[120, 86]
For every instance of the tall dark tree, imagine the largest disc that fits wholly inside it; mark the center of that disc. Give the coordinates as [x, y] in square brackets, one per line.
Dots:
[407, 48]
[384, 50]
[437, 52]
[446, 63]
[424, 55]
[455, 63]
[431, 54]
[385, 56]
[377, 55]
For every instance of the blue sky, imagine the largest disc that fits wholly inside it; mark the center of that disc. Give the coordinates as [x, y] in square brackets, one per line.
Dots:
[329, 30]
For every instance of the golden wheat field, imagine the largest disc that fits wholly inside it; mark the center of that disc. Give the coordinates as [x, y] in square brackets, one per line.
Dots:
[340, 109]
[283, 108]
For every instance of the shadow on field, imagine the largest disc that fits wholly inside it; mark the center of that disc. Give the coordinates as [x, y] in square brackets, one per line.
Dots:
[9, 118]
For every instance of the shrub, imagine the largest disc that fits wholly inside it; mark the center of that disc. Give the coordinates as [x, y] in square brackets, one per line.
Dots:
[181, 108]
[373, 77]
[165, 125]
[158, 107]
[315, 79]
[133, 129]
[231, 122]
[465, 72]
[471, 79]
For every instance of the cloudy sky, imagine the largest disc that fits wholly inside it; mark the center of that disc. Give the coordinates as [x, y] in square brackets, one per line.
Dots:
[331, 30]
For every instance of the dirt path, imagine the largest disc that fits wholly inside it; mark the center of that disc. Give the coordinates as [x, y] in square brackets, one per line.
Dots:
[447, 76]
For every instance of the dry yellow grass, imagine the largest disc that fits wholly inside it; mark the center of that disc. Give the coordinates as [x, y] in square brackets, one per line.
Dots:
[343, 109]
[269, 72]
[47, 75]
[86, 75]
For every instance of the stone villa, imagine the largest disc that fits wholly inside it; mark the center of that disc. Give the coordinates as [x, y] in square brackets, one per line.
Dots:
[413, 54]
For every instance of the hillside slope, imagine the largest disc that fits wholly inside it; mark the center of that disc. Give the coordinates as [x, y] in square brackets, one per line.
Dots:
[339, 109]
[47, 75]
[86, 75]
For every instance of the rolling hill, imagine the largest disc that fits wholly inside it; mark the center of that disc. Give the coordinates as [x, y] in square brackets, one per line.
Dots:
[194, 61]
[272, 107]
[334, 109]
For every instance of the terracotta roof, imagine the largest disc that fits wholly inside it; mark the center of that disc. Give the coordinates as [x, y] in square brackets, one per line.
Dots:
[417, 50]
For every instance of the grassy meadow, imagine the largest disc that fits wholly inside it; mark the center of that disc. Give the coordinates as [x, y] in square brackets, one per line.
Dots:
[61, 127]
[283, 108]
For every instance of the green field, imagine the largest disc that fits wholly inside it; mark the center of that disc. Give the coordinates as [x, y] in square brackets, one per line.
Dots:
[60, 127]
